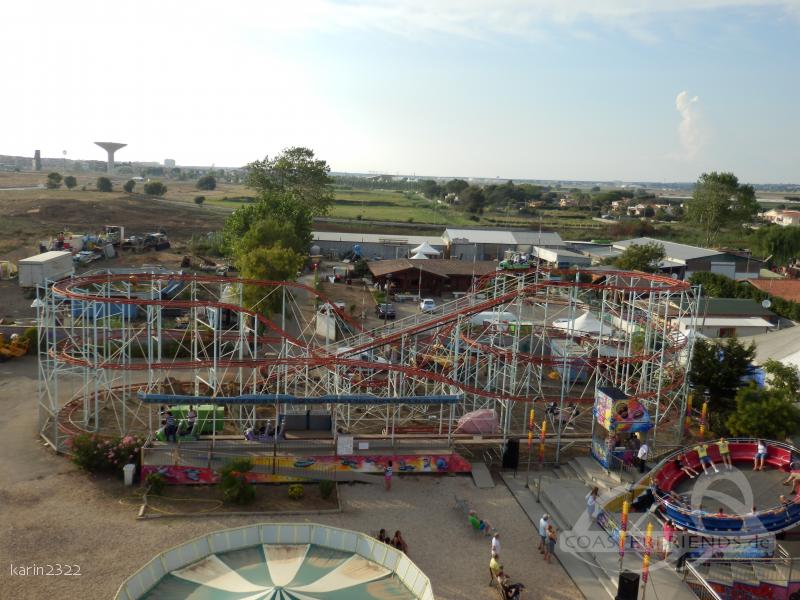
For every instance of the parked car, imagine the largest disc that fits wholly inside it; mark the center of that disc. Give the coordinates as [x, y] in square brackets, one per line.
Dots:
[385, 311]
[427, 305]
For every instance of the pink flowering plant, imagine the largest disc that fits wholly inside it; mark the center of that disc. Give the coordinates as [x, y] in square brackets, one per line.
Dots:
[96, 453]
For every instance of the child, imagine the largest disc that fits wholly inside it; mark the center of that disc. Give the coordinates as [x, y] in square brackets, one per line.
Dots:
[387, 477]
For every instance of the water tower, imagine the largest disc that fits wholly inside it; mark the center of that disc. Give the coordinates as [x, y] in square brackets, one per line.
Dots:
[111, 148]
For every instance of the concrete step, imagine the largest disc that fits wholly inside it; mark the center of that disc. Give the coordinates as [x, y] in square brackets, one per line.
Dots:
[720, 573]
[743, 572]
[565, 471]
[592, 473]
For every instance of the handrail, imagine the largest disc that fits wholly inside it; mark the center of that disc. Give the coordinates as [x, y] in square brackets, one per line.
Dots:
[671, 456]
[703, 590]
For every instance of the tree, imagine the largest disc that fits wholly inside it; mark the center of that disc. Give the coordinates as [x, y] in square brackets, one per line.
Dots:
[715, 285]
[155, 188]
[473, 199]
[207, 182]
[70, 182]
[641, 257]
[718, 201]
[297, 172]
[276, 263]
[764, 414]
[53, 180]
[455, 186]
[270, 232]
[781, 243]
[431, 189]
[783, 378]
[129, 186]
[104, 185]
[282, 206]
[718, 368]
[199, 200]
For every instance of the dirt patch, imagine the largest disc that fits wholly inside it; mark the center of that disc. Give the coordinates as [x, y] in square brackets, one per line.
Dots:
[206, 499]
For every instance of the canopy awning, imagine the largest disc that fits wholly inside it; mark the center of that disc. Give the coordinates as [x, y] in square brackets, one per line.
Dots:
[586, 323]
[425, 248]
[419, 256]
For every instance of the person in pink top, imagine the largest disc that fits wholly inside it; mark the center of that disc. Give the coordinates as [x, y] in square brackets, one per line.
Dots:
[667, 533]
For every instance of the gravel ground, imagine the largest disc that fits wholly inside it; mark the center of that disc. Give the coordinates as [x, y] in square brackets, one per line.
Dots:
[51, 513]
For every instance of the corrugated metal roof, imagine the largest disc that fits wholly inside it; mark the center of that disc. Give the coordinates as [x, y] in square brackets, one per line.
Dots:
[538, 238]
[481, 236]
[672, 250]
[44, 257]
[377, 238]
[437, 266]
[727, 322]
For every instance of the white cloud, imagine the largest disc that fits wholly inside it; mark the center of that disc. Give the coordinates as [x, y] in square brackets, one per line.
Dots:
[690, 130]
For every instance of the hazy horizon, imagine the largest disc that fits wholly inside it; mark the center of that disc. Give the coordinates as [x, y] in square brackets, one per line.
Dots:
[609, 90]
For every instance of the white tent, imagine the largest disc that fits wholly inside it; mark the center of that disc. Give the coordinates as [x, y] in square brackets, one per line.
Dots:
[419, 256]
[425, 248]
[586, 323]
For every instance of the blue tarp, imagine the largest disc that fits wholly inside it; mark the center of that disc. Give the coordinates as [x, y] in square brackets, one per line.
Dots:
[288, 399]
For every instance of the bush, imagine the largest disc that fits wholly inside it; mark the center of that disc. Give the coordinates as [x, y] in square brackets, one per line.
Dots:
[32, 335]
[155, 188]
[207, 182]
[104, 185]
[233, 482]
[326, 487]
[199, 199]
[156, 483]
[96, 454]
[129, 186]
[296, 491]
[53, 180]
[70, 182]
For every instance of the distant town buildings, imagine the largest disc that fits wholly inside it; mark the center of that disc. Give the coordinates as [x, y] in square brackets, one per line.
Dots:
[782, 217]
[169, 163]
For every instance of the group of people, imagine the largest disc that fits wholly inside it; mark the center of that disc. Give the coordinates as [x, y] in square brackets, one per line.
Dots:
[548, 536]
[170, 423]
[498, 576]
[397, 541]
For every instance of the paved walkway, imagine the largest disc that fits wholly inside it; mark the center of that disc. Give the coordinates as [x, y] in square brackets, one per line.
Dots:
[584, 550]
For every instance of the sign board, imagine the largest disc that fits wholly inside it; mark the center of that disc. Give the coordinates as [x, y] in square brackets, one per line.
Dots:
[344, 445]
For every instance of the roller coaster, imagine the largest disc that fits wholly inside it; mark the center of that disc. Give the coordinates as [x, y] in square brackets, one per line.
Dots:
[517, 340]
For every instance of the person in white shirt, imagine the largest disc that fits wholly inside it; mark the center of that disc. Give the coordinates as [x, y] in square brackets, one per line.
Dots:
[496, 544]
[543, 532]
[591, 502]
[641, 457]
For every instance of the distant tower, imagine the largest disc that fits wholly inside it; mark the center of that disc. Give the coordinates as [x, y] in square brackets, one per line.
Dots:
[37, 160]
[110, 147]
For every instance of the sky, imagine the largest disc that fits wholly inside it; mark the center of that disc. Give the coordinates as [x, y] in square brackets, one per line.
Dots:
[632, 90]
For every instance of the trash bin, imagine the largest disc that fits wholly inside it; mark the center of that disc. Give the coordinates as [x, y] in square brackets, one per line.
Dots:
[129, 470]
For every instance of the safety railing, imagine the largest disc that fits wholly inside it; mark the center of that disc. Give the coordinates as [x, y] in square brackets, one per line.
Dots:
[699, 586]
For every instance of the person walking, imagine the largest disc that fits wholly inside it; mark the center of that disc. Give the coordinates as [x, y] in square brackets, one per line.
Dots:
[591, 502]
[387, 477]
[543, 532]
[496, 544]
[494, 568]
[641, 457]
[667, 533]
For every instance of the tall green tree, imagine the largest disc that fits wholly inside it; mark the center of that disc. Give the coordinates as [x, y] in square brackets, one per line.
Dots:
[70, 182]
[719, 201]
[129, 186]
[718, 368]
[296, 171]
[455, 186]
[784, 379]
[280, 206]
[275, 263]
[763, 413]
[782, 244]
[641, 257]
[473, 199]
